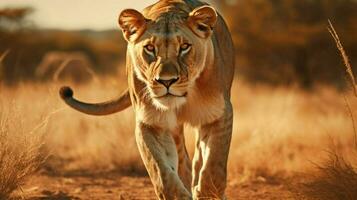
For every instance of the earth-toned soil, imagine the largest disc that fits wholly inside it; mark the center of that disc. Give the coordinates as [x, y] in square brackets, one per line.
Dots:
[122, 187]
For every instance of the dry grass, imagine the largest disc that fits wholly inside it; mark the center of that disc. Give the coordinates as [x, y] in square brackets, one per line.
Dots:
[277, 131]
[20, 151]
[277, 134]
[336, 177]
[79, 143]
[3, 56]
[344, 56]
[284, 129]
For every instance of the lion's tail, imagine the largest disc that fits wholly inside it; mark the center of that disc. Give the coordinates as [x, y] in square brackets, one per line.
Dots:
[104, 108]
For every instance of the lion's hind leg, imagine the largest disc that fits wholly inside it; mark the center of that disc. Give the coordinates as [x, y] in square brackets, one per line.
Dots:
[158, 151]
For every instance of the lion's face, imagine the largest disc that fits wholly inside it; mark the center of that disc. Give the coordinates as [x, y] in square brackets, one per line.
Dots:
[170, 53]
[169, 63]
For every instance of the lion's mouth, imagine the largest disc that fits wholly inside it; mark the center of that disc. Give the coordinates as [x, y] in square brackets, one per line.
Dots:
[171, 95]
[169, 100]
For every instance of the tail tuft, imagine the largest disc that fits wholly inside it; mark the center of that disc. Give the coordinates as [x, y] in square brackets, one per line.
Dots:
[66, 92]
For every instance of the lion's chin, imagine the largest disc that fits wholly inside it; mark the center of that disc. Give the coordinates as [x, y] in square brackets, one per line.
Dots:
[169, 102]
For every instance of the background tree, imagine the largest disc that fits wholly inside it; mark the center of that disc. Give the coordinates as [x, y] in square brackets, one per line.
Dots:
[14, 18]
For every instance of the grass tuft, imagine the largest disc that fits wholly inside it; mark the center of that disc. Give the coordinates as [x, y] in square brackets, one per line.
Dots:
[20, 153]
[336, 179]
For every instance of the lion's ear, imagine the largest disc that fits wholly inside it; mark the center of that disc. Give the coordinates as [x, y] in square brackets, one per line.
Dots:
[202, 21]
[132, 23]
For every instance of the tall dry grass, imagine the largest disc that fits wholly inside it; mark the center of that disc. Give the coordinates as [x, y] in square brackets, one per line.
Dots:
[21, 152]
[275, 135]
[336, 177]
[277, 131]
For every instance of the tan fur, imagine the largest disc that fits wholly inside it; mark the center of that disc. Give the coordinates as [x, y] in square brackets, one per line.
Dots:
[206, 106]
[193, 60]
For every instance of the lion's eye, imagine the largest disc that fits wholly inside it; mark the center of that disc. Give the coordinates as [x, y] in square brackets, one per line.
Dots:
[185, 47]
[150, 49]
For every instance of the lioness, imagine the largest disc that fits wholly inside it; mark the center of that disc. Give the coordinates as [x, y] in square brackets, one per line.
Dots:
[180, 66]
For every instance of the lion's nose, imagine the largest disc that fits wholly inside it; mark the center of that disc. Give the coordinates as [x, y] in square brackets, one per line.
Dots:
[167, 83]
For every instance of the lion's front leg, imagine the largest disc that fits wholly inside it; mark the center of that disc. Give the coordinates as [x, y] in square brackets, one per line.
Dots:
[196, 161]
[214, 143]
[184, 162]
[158, 151]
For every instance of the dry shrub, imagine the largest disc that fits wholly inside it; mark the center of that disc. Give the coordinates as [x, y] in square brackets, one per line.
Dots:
[20, 151]
[336, 177]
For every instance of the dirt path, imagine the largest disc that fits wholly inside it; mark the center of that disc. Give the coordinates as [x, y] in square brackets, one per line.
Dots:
[114, 186]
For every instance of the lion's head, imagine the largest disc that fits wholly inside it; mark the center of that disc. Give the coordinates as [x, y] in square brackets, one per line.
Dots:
[169, 49]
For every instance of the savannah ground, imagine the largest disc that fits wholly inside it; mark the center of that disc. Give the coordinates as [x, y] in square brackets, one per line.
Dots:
[280, 135]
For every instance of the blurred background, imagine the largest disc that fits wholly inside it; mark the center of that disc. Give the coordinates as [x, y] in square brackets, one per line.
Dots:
[278, 42]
